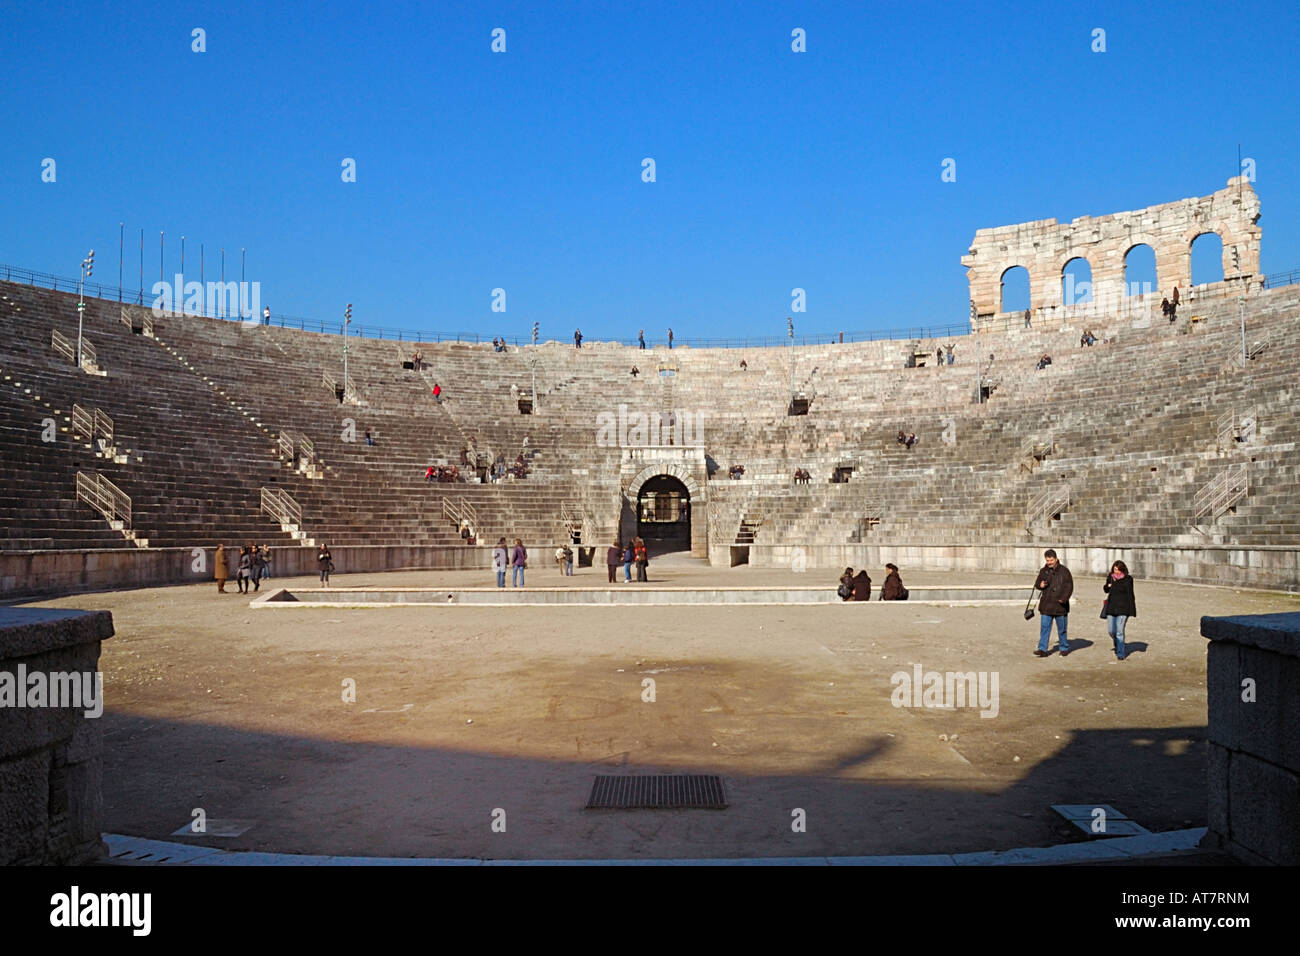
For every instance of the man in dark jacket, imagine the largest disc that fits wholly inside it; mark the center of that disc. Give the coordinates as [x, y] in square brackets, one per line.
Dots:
[613, 557]
[1056, 585]
[861, 586]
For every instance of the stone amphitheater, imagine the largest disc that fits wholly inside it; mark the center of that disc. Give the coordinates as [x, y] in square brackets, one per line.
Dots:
[1160, 444]
[1171, 445]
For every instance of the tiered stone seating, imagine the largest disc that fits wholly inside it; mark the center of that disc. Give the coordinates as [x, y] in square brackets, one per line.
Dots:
[1129, 424]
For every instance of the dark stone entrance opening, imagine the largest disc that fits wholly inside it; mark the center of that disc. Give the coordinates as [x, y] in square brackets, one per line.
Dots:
[663, 515]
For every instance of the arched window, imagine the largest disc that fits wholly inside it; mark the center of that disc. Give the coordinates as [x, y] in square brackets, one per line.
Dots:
[1076, 282]
[1015, 290]
[1140, 270]
[1207, 258]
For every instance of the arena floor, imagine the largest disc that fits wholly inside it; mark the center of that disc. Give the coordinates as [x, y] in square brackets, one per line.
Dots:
[463, 711]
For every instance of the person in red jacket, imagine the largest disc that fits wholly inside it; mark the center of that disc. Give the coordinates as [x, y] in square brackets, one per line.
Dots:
[437, 392]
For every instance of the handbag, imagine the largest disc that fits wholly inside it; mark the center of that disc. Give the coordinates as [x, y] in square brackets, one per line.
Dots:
[1103, 608]
[1029, 611]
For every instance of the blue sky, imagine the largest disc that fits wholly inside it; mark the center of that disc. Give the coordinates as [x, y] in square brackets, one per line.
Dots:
[523, 170]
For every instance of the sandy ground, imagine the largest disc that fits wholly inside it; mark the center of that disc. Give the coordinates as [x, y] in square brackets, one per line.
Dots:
[461, 712]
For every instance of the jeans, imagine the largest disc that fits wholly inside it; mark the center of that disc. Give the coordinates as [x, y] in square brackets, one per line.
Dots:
[627, 570]
[501, 578]
[324, 576]
[613, 573]
[1115, 628]
[1045, 631]
[517, 576]
[568, 568]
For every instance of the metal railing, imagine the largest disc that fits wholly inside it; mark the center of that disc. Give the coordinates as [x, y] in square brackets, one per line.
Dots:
[105, 497]
[459, 509]
[331, 383]
[286, 445]
[83, 422]
[281, 506]
[1009, 321]
[1222, 493]
[59, 342]
[92, 423]
[1047, 502]
[306, 450]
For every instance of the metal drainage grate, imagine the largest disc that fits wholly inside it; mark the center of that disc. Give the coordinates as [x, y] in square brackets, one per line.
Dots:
[657, 792]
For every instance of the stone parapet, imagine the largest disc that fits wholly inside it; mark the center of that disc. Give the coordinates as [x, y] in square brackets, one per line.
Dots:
[1253, 673]
[51, 752]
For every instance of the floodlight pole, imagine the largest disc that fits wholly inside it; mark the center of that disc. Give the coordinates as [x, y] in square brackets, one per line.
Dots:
[87, 269]
[534, 364]
[347, 320]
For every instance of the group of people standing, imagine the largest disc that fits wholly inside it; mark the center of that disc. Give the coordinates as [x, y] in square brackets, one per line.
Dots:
[504, 559]
[634, 553]
[252, 567]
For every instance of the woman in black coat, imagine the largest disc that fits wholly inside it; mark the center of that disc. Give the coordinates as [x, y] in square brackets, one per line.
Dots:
[1120, 605]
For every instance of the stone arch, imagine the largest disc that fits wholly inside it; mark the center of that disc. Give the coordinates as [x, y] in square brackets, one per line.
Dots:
[680, 472]
[1218, 269]
[1018, 304]
[694, 487]
[1134, 243]
[1076, 287]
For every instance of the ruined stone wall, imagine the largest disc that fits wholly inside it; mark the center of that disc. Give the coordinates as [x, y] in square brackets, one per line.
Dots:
[1044, 247]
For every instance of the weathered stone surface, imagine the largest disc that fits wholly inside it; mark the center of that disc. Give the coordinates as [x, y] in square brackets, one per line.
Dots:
[1044, 247]
[1263, 809]
[25, 631]
[24, 797]
[51, 770]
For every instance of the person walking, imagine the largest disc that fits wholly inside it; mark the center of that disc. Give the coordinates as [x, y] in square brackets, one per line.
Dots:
[670, 338]
[256, 564]
[577, 338]
[266, 561]
[568, 561]
[518, 563]
[948, 349]
[500, 561]
[613, 555]
[326, 562]
[1120, 605]
[629, 555]
[245, 569]
[222, 570]
[437, 393]
[642, 560]
[640, 338]
[1057, 584]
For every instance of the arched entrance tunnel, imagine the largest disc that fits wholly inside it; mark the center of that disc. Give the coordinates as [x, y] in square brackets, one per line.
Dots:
[663, 514]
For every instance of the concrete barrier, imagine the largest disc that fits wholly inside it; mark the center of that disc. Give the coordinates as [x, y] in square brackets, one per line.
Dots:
[32, 574]
[640, 595]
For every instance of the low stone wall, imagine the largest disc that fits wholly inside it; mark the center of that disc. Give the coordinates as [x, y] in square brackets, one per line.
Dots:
[1254, 741]
[31, 574]
[1270, 568]
[51, 757]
